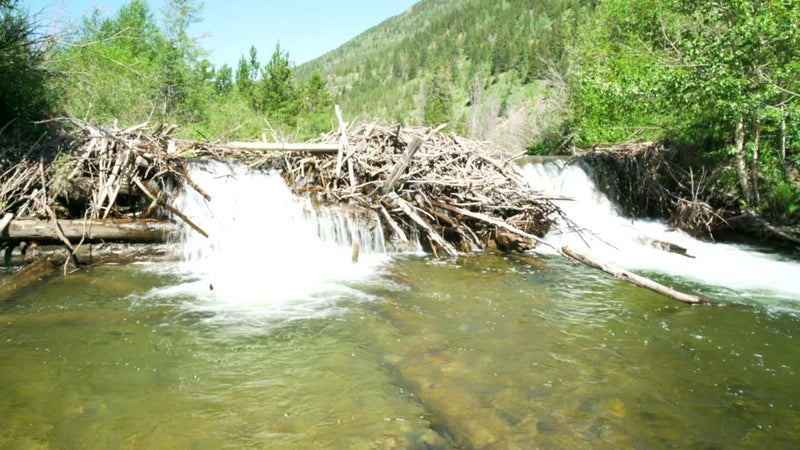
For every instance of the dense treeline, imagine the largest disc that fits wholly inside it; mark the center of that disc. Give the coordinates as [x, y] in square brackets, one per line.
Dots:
[719, 78]
[24, 91]
[132, 67]
[722, 78]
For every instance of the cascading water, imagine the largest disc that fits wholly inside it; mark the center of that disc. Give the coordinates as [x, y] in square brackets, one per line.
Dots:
[737, 270]
[269, 255]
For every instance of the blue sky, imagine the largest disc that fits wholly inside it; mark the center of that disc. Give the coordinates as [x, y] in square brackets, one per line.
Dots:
[305, 28]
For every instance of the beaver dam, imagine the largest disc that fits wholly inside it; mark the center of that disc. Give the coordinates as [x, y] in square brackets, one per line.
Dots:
[458, 195]
[454, 194]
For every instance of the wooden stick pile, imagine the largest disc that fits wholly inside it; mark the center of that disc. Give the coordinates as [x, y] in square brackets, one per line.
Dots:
[459, 195]
[93, 173]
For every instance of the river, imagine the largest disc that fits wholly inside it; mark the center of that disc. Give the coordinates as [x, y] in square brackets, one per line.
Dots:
[267, 335]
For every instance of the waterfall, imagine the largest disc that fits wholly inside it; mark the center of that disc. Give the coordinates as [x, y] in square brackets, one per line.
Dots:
[731, 269]
[269, 253]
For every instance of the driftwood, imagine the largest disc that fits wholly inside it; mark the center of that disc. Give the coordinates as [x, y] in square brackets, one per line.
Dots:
[631, 277]
[664, 246]
[168, 207]
[458, 195]
[454, 192]
[93, 173]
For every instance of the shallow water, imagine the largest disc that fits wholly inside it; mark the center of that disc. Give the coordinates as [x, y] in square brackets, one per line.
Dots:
[486, 351]
[267, 335]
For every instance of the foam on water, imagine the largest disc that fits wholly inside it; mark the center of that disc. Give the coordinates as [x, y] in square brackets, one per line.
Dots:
[748, 272]
[269, 253]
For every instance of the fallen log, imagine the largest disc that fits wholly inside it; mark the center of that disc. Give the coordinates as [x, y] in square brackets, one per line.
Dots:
[402, 164]
[283, 147]
[432, 234]
[630, 277]
[38, 270]
[108, 230]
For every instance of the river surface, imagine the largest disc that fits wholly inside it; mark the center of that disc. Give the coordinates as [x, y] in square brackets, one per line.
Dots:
[267, 335]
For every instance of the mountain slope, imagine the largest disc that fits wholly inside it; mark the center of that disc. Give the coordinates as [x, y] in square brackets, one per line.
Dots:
[488, 57]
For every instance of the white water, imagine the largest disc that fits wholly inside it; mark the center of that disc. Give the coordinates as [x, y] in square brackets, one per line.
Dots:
[269, 254]
[737, 270]
[273, 257]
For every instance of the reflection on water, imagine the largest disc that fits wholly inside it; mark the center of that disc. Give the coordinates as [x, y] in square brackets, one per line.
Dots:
[485, 352]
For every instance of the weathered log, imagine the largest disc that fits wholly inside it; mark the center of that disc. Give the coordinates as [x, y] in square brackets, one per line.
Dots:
[428, 370]
[54, 219]
[402, 164]
[405, 159]
[500, 224]
[638, 280]
[432, 234]
[283, 147]
[343, 146]
[664, 245]
[109, 230]
[510, 242]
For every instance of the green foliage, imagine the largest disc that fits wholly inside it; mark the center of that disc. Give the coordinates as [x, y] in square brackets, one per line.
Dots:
[246, 75]
[223, 81]
[24, 92]
[127, 68]
[276, 93]
[784, 200]
[114, 67]
[694, 72]
[437, 109]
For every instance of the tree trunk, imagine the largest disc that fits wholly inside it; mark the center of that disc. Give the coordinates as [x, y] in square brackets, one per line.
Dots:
[741, 161]
[756, 149]
[783, 138]
[37, 271]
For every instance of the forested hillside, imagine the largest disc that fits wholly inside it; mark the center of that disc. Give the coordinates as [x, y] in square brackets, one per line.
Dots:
[479, 64]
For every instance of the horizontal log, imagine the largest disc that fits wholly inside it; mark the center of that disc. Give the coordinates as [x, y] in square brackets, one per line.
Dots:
[109, 230]
[283, 147]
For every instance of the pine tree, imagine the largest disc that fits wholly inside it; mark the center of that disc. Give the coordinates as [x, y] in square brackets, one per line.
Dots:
[437, 109]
